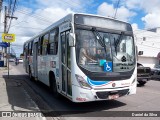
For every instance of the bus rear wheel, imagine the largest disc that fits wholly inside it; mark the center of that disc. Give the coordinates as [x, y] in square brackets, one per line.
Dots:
[53, 86]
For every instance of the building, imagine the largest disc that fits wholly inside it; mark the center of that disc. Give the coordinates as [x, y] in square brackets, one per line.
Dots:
[148, 41]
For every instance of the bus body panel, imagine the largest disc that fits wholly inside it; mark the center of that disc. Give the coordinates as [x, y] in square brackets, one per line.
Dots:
[70, 87]
[86, 95]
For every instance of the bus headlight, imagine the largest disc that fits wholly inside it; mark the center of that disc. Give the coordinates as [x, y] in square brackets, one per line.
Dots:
[83, 82]
[133, 81]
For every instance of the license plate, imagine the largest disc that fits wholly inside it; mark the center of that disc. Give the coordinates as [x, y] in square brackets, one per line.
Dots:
[110, 97]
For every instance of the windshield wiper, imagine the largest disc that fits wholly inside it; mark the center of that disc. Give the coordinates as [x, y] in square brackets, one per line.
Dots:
[116, 43]
[98, 37]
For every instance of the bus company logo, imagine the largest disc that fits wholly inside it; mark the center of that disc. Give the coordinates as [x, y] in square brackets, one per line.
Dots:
[123, 59]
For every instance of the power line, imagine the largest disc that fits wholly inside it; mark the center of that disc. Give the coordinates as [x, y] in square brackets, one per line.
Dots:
[69, 4]
[75, 2]
[13, 10]
[18, 23]
[29, 27]
[35, 16]
[41, 17]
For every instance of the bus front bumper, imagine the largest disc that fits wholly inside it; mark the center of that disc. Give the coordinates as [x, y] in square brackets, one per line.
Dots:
[87, 95]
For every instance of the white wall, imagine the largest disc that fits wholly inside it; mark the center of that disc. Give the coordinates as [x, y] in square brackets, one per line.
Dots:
[151, 45]
[148, 61]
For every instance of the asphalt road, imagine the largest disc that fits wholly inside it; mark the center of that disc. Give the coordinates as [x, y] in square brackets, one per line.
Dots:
[146, 99]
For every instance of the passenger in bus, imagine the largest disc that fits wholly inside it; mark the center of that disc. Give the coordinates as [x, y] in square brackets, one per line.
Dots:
[100, 54]
[84, 57]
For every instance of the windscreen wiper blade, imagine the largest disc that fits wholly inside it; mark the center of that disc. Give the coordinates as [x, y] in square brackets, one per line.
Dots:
[116, 43]
[98, 37]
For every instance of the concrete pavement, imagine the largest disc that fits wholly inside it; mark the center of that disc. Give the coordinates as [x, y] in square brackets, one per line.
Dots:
[15, 99]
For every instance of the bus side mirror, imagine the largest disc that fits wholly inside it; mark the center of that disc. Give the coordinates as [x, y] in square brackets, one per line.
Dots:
[71, 39]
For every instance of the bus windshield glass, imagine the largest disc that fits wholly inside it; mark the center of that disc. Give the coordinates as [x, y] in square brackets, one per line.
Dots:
[96, 48]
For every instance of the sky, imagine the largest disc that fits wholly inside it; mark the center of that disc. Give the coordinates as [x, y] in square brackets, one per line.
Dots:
[36, 15]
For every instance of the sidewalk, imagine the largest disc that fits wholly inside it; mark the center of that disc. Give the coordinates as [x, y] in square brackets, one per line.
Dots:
[14, 98]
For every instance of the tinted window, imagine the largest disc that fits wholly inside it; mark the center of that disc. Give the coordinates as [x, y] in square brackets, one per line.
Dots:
[53, 42]
[44, 44]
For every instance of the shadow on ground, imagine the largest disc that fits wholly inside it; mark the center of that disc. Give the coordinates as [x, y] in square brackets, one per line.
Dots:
[18, 97]
[18, 94]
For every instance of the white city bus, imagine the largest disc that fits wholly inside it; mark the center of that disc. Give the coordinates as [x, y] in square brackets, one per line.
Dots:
[58, 57]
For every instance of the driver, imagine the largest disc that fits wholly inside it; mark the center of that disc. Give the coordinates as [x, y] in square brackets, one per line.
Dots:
[84, 56]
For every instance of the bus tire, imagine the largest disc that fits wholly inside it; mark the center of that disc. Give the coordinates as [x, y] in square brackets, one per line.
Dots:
[53, 85]
[30, 74]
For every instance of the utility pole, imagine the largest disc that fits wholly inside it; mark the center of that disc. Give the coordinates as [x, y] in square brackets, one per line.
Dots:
[5, 19]
[6, 31]
[1, 2]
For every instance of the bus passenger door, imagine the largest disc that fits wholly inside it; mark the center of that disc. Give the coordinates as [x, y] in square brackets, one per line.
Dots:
[35, 53]
[66, 66]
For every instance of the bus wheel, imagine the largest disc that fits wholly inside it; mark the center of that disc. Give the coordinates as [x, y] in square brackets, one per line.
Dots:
[53, 86]
[30, 74]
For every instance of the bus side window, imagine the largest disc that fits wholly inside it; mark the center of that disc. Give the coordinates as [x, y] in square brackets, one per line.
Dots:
[53, 43]
[30, 48]
[44, 42]
[25, 50]
[39, 46]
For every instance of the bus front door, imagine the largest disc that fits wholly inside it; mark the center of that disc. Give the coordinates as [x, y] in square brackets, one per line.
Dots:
[66, 64]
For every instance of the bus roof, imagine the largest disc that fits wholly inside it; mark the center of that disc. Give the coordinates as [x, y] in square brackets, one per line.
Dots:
[70, 17]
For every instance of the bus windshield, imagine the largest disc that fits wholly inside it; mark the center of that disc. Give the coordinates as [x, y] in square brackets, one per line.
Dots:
[94, 48]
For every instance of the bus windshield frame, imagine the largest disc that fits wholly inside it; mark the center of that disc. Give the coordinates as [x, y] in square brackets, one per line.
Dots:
[115, 48]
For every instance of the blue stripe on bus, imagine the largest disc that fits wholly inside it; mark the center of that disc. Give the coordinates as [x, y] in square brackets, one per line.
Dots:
[96, 83]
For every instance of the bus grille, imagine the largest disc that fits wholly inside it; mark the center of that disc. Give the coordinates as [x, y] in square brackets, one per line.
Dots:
[105, 94]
